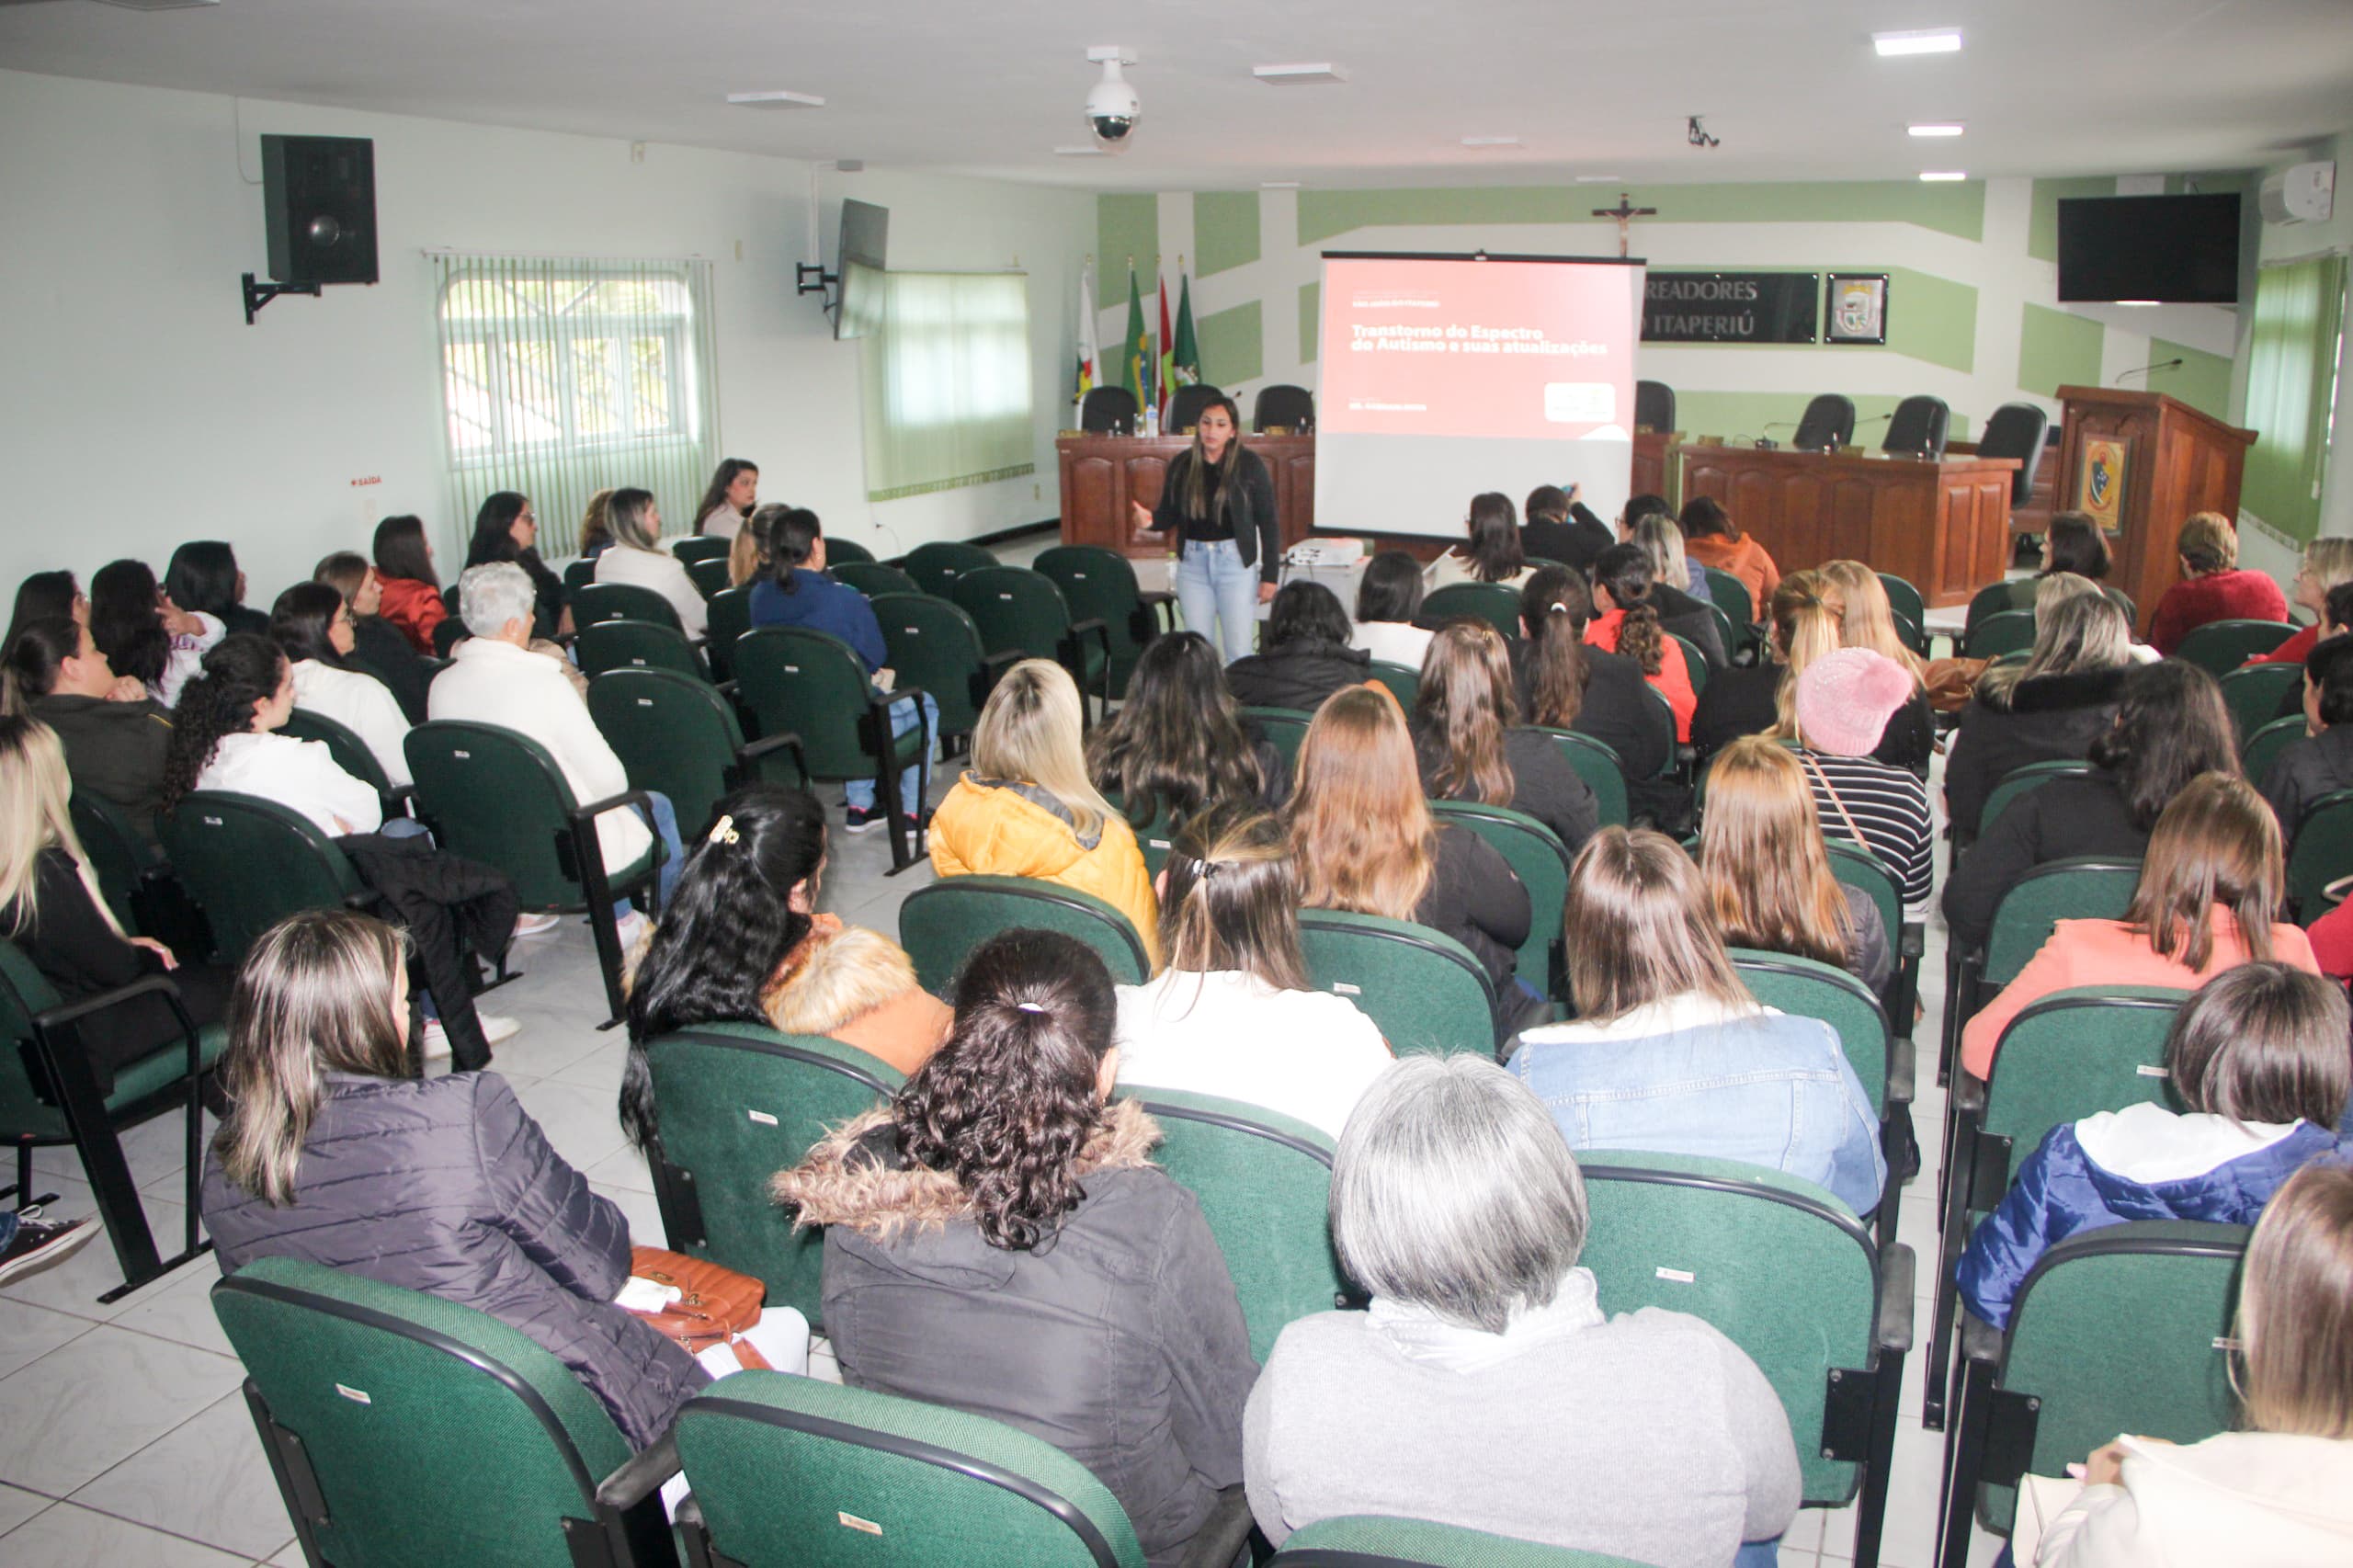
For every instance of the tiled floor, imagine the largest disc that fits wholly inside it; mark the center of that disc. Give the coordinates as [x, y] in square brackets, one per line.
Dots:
[124, 1441]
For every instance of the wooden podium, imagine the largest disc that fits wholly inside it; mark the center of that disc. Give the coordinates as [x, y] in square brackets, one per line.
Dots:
[2176, 460]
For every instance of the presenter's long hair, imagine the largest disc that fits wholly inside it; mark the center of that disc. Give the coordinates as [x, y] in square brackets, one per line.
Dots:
[1194, 492]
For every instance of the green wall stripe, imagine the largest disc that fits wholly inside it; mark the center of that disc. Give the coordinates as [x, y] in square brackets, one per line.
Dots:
[2043, 219]
[2203, 382]
[1233, 345]
[1931, 318]
[2057, 349]
[1225, 230]
[1958, 207]
[1126, 226]
[1310, 321]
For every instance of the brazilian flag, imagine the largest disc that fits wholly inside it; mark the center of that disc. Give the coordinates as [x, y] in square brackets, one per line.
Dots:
[1137, 352]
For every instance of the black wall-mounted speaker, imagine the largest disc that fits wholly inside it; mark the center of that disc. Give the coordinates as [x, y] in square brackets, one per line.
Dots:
[319, 193]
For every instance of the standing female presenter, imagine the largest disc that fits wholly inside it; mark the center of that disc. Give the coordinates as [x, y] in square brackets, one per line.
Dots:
[1219, 500]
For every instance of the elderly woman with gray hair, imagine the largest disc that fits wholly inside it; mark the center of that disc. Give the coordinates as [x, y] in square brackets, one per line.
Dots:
[494, 678]
[1456, 1203]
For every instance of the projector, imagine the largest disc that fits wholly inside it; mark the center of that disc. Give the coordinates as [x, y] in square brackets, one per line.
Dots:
[2304, 194]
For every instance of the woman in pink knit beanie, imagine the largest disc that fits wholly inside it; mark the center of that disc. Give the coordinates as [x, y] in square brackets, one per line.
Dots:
[1844, 700]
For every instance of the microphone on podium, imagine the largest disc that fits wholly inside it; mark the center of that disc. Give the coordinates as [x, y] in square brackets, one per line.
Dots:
[1763, 444]
[2172, 364]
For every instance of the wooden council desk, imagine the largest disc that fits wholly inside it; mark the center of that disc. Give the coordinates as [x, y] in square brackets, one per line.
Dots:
[1944, 527]
[1101, 474]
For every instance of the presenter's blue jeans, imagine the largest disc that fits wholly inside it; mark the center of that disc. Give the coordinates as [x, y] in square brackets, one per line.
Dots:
[858, 794]
[1216, 586]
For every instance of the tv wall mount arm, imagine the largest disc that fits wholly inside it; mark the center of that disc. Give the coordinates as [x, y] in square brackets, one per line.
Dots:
[260, 295]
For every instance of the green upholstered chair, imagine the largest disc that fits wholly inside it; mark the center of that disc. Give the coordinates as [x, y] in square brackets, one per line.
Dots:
[2266, 742]
[1785, 1272]
[1100, 585]
[1283, 728]
[710, 577]
[249, 863]
[941, 924]
[1859, 869]
[936, 566]
[2004, 632]
[2220, 646]
[1731, 595]
[735, 1104]
[1810, 989]
[2020, 781]
[1599, 764]
[1425, 990]
[792, 1473]
[813, 684]
[2069, 1055]
[49, 1097]
[678, 735]
[1404, 681]
[1490, 602]
[726, 618]
[622, 601]
[2127, 1328]
[870, 577]
[605, 645]
[495, 795]
[2323, 851]
[2080, 889]
[1541, 861]
[697, 547]
[351, 754]
[1021, 611]
[402, 1428]
[934, 644]
[2253, 694]
[844, 551]
[127, 866]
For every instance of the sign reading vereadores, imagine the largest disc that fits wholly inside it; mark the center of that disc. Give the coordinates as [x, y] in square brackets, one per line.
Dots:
[1731, 307]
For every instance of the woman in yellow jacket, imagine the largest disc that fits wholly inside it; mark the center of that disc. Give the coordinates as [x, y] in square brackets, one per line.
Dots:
[1027, 808]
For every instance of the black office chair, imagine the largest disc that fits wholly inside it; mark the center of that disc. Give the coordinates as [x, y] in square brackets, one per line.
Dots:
[1292, 407]
[1653, 406]
[1918, 427]
[1109, 410]
[1829, 422]
[2016, 430]
[1185, 407]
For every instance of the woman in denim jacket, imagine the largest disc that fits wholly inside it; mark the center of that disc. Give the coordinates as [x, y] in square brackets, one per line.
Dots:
[1671, 1055]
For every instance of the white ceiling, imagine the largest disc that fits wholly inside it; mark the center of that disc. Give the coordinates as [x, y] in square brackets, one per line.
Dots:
[1592, 87]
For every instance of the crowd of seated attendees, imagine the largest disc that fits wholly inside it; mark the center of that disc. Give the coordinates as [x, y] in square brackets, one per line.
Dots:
[998, 1236]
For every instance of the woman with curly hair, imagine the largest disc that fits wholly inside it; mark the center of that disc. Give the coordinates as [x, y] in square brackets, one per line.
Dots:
[999, 1242]
[1628, 624]
[222, 738]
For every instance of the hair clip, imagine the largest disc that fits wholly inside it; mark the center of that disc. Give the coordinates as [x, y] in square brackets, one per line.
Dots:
[1560, 608]
[1031, 1006]
[724, 831]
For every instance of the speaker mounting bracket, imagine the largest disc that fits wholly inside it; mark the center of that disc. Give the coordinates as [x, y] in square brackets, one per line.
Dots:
[260, 295]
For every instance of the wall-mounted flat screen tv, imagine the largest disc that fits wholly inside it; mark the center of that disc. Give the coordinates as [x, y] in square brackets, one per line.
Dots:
[2167, 249]
[865, 232]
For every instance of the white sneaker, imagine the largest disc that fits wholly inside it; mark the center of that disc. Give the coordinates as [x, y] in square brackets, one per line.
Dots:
[497, 1027]
[633, 928]
[537, 924]
[436, 1041]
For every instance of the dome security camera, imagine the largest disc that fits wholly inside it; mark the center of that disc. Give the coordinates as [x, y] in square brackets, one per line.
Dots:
[1112, 107]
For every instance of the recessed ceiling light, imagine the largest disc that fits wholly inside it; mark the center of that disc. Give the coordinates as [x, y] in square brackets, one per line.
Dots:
[1601, 179]
[2145, 305]
[776, 100]
[1277, 184]
[1946, 128]
[1491, 142]
[1080, 152]
[1933, 174]
[1315, 75]
[1922, 41]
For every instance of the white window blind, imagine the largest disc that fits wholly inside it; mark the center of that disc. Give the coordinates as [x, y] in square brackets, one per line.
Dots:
[946, 383]
[565, 376]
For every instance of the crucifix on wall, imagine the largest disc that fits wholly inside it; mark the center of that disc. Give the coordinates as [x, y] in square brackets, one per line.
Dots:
[1625, 212]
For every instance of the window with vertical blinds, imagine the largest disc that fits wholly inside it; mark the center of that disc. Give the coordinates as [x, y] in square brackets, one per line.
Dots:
[946, 383]
[2291, 391]
[565, 376]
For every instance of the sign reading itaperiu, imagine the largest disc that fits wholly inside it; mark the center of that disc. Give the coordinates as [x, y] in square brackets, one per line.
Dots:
[1731, 307]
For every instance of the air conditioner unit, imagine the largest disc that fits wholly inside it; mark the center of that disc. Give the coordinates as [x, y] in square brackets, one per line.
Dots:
[2304, 194]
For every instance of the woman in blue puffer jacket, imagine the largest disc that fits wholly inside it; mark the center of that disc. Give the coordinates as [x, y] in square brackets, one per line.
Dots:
[2258, 1057]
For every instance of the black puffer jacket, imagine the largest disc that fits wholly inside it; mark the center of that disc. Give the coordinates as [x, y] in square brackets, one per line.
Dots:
[447, 1186]
[1121, 1343]
[2047, 719]
[1298, 675]
[1544, 785]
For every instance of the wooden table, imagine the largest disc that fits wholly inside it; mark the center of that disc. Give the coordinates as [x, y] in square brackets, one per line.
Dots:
[1944, 527]
[1101, 474]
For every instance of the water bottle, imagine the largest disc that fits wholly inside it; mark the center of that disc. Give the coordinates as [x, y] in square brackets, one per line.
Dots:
[1151, 419]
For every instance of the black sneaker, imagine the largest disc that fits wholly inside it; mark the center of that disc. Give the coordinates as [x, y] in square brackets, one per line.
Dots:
[863, 817]
[39, 1243]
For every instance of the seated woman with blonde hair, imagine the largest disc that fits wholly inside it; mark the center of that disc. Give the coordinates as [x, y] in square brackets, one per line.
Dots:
[741, 941]
[1234, 1014]
[1026, 807]
[2277, 1493]
[1768, 870]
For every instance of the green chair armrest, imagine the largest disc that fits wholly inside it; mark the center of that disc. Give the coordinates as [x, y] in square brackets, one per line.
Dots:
[639, 1478]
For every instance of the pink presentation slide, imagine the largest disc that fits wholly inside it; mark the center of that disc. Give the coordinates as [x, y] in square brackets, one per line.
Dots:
[1528, 350]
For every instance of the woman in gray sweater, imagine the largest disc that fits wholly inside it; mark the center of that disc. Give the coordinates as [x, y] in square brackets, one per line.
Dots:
[1454, 1200]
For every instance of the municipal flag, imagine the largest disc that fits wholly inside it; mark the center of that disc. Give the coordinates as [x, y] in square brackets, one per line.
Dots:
[1137, 350]
[1089, 355]
[1185, 356]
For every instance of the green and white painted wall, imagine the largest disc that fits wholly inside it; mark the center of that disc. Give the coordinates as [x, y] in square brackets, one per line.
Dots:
[1973, 313]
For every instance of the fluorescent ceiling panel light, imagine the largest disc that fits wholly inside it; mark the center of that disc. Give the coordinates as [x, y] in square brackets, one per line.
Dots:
[776, 100]
[1315, 75]
[1601, 179]
[1080, 153]
[1948, 128]
[1491, 142]
[1922, 41]
[2143, 304]
[1937, 174]
[1277, 184]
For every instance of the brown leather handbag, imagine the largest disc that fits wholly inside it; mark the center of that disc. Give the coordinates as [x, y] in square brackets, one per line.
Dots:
[714, 1305]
